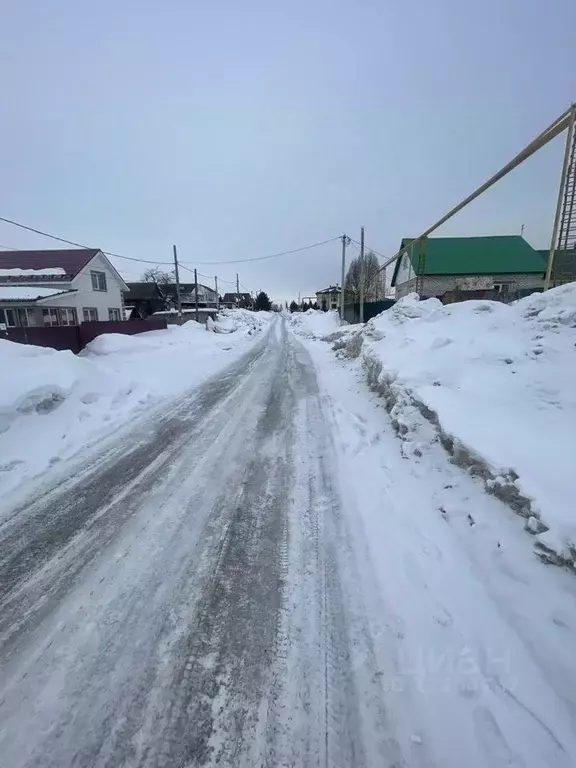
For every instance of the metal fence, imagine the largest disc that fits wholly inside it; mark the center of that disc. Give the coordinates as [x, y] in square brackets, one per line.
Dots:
[371, 309]
[75, 337]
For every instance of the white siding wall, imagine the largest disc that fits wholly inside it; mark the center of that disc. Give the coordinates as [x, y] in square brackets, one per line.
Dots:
[404, 271]
[100, 300]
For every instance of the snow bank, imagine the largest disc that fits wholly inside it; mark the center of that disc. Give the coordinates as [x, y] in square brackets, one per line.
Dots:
[314, 324]
[498, 381]
[248, 323]
[53, 403]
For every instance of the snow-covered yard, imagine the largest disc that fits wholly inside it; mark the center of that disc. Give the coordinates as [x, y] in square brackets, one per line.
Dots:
[494, 383]
[54, 403]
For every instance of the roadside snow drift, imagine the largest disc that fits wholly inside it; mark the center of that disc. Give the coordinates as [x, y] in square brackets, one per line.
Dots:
[498, 382]
[314, 324]
[53, 403]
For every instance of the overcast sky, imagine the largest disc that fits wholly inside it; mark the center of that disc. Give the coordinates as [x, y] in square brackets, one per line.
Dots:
[239, 129]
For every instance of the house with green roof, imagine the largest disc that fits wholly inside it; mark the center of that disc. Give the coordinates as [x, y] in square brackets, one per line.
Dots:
[469, 267]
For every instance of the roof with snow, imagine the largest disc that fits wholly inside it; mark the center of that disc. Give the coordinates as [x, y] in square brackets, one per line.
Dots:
[330, 289]
[28, 293]
[68, 261]
[498, 255]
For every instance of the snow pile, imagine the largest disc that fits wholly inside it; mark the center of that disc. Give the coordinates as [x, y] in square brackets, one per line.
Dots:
[53, 403]
[497, 382]
[314, 324]
[243, 320]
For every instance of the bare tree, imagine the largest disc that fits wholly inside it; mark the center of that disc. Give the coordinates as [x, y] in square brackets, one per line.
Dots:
[158, 276]
[372, 280]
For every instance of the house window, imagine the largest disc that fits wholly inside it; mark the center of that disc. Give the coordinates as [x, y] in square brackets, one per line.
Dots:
[7, 317]
[50, 317]
[25, 317]
[501, 287]
[98, 281]
[89, 314]
[114, 314]
[67, 316]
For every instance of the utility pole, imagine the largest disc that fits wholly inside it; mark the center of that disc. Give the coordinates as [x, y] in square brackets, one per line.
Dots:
[344, 244]
[237, 291]
[362, 275]
[217, 295]
[178, 302]
[196, 294]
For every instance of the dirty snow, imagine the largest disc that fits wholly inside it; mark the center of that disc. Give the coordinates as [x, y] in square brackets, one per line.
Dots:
[54, 403]
[499, 380]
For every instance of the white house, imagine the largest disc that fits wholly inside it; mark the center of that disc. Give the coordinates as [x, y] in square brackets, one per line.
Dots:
[58, 287]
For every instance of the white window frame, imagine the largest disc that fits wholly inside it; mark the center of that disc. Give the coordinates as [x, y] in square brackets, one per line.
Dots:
[28, 313]
[502, 287]
[114, 315]
[50, 312]
[99, 282]
[4, 314]
[65, 314]
[90, 314]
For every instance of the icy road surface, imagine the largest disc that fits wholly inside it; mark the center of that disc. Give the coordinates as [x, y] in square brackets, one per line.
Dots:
[258, 577]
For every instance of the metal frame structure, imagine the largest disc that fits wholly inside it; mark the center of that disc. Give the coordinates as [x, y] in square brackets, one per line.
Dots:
[564, 229]
[565, 121]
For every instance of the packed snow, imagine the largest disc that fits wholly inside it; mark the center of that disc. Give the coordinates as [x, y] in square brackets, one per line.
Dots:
[473, 634]
[497, 382]
[53, 403]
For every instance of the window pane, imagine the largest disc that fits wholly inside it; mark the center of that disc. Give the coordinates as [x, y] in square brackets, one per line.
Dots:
[50, 317]
[98, 281]
[10, 319]
[22, 318]
[67, 316]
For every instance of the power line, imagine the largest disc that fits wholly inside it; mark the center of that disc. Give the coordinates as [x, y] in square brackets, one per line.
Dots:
[9, 248]
[77, 245]
[367, 248]
[272, 255]
[145, 261]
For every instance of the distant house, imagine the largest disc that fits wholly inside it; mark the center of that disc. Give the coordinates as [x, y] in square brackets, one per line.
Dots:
[143, 299]
[58, 287]
[241, 300]
[563, 266]
[207, 297]
[146, 298]
[452, 268]
[328, 298]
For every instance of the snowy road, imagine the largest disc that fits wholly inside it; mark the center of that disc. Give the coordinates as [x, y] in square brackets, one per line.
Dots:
[258, 577]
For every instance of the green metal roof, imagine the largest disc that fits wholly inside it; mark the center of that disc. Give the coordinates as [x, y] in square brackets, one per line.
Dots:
[499, 255]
